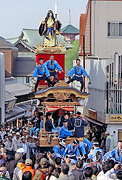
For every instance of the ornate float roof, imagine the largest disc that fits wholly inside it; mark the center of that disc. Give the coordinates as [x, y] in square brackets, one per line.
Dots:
[61, 92]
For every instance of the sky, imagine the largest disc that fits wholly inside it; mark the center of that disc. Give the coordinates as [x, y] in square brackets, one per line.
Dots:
[16, 15]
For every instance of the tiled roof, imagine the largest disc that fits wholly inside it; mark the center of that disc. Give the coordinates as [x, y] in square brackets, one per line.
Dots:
[9, 96]
[27, 107]
[32, 38]
[16, 114]
[70, 29]
[13, 40]
[6, 44]
[15, 88]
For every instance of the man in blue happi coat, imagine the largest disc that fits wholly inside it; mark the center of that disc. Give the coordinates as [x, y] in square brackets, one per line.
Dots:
[72, 150]
[78, 125]
[52, 66]
[59, 149]
[76, 73]
[42, 73]
[85, 147]
[96, 154]
[89, 145]
[115, 154]
[64, 132]
[82, 148]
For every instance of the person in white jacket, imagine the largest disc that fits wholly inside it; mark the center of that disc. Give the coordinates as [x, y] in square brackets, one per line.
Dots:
[108, 174]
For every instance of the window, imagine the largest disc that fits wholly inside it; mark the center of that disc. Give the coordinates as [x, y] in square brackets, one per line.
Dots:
[114, 29]
[20, 79]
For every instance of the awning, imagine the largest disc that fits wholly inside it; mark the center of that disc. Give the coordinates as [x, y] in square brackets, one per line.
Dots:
[27, 108]
[66, 108]
[52, 108]
[55, 108]
[16, 114]
[93, 121]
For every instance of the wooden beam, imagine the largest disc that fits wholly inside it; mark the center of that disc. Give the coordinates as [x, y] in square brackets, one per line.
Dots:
[44, 123]
[60, 103]
[62, 92]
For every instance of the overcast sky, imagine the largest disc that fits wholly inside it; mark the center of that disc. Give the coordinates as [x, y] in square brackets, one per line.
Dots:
[18, 14]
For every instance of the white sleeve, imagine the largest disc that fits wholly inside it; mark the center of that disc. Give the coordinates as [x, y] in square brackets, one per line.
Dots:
[108, 173]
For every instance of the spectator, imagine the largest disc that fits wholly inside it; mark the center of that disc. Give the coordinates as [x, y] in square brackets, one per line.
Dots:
[119, 174]
[10, 146]
[58, 166]
[41, 172]
[28, 167]
[3, 173]
[27, 176]
[95, 173]
[77, 173]
[88, 173]
[17, 140]
[109, 142]
[51, 173]
[18, 171]
[13, 164]
[64, 175]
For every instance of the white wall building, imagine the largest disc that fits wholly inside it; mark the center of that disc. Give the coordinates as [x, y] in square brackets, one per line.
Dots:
[2, 87]
[100, 38]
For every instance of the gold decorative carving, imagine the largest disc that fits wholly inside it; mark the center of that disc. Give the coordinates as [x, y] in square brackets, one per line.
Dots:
[62, 83]
[60, 96]
[51, 50]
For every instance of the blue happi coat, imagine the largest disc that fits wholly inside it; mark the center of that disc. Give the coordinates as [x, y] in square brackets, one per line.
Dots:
[82, 147]
[58, 151]
[114, 154]
[88, 143]
[53, 66]
[64, 132]
[78, 124]
[41, 71]
[77, 71]
[71, 151]
[93, 154]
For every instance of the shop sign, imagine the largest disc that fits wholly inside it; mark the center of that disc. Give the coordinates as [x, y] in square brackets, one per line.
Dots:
[116, 117]
[92, 114]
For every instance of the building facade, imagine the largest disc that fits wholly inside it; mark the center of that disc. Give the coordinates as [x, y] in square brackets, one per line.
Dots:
[11, 52]
[100, 44]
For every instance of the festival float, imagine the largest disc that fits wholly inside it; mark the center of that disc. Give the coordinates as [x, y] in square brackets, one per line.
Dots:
[61, 97]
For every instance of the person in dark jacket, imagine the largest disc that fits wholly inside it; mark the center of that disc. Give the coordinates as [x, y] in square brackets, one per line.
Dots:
[88, 173]
[66, 118]
[77, 173]
[13, 164]
[78, 125]
[49, 124]
[35, 122]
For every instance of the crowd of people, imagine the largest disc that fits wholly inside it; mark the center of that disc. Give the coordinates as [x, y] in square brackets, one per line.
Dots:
[83, 159]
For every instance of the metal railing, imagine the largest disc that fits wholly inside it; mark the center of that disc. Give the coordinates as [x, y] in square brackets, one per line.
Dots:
[114, 85]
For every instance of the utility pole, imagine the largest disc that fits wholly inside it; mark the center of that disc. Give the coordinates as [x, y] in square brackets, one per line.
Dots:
[84, 60]
[2, 87]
